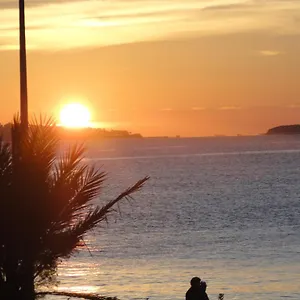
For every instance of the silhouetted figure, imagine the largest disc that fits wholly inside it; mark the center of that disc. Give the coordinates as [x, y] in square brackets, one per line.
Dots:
[203, 287]
[197, 291]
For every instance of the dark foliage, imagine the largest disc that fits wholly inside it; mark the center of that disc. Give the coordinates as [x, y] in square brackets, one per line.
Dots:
[46, 206]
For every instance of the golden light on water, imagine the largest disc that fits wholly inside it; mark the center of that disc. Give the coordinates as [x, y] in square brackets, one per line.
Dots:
[141, 279]
[75, 115]
[80, 289]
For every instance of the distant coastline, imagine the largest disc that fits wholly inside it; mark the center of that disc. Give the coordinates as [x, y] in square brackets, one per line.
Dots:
[284, 130]
[79, 133]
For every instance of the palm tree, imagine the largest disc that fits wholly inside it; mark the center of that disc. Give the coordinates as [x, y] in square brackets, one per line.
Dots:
[46, 206]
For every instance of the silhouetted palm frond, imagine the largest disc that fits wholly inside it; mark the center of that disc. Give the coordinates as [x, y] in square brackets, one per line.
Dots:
[101, 213]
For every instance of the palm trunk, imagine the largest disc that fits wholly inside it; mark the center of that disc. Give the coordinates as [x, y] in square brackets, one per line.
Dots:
[10, 288]
[28, 292]
[26, 281]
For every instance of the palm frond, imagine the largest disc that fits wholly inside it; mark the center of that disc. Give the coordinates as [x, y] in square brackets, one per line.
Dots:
[63, 243]
[101, 213]
[88, 187]
[38, 145]
[67, 164]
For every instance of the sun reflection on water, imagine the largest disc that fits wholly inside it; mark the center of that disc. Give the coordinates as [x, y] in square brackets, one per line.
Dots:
[140, 279]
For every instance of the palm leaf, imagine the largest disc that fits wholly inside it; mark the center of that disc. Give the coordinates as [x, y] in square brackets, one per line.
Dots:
[101, 213]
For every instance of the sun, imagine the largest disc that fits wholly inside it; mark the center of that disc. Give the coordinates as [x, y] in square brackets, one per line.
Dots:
[75, 115]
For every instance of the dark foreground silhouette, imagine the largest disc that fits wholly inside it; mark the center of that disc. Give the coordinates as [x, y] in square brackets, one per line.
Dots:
[197, 291]
[46, 207]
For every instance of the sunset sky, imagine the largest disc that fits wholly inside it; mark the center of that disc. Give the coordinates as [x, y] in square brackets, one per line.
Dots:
[163, 67]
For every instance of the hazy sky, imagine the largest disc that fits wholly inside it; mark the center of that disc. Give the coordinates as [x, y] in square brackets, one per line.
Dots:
[159, 67]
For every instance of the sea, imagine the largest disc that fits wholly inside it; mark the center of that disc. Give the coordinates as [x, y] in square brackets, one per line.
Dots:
[225, 209]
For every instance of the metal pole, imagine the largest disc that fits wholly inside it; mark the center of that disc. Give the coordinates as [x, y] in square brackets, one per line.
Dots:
[23, 67]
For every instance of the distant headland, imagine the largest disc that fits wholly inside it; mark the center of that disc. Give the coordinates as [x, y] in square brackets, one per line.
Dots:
[284, 130]
[79, 133]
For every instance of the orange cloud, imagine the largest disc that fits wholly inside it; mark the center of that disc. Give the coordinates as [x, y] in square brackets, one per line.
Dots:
[229, 107]
[269, 53]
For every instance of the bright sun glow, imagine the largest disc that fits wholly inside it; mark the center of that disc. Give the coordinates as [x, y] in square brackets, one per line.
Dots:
[75, 115]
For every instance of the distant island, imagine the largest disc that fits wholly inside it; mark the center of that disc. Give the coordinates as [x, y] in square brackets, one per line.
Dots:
[284, 130]
[78, 133]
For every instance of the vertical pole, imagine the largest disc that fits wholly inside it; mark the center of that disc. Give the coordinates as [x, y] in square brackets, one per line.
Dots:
[23, 67]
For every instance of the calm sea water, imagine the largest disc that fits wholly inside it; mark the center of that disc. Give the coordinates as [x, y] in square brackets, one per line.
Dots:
[225, 209]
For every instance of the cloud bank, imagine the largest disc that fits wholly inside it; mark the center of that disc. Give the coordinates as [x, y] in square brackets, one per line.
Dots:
[66, 24]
